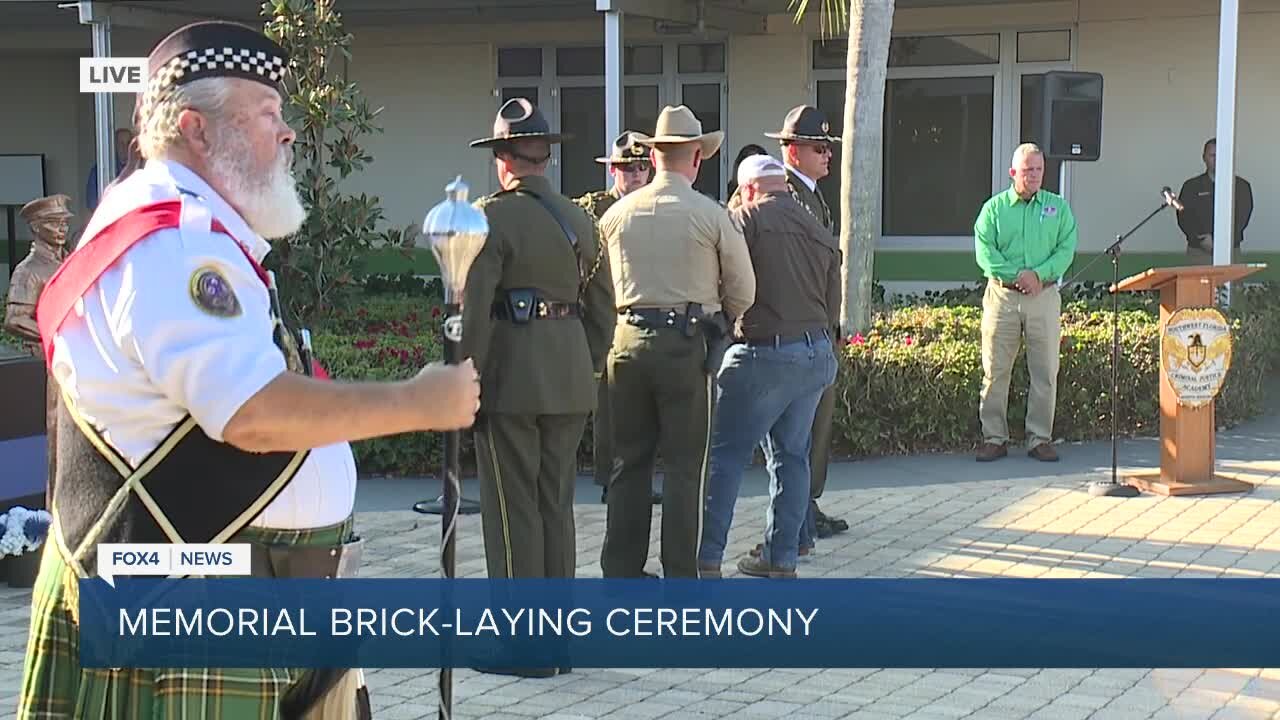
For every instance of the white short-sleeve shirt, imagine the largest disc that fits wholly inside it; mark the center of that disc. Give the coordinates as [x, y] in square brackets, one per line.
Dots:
[138, 353]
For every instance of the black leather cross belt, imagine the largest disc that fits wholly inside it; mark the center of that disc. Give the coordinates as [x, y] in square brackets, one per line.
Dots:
[306, 561]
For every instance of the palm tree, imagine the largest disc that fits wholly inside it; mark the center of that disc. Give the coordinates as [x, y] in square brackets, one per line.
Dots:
[869, 24]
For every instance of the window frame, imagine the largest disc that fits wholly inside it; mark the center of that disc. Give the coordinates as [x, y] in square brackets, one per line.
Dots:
[1006, 109]
[669, 84]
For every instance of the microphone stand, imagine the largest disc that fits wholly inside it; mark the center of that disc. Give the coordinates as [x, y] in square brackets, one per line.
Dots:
[1113, 487]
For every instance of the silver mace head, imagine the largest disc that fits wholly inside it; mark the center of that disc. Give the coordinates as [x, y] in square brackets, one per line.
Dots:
[456, 232]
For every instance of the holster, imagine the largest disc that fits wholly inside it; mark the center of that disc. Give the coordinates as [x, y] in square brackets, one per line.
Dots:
[520, 304]
[302, 561]
[716, 330]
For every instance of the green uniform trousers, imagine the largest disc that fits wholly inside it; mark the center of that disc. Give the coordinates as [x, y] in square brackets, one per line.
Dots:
[602, 435]
[661, 401]
[820, 452]
[528, 467]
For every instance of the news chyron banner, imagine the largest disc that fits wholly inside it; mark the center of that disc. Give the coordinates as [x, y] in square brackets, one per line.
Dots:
[226, 619]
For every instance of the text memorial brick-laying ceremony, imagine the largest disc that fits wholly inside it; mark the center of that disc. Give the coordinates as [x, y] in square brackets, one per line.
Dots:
[674, 338]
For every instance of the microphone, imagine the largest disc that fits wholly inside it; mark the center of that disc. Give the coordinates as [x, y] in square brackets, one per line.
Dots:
[1170, 199]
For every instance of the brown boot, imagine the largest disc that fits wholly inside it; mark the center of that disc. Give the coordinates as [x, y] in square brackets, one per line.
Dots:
[758, 567]
[991, 451]
[1043, 452]
[759, 548]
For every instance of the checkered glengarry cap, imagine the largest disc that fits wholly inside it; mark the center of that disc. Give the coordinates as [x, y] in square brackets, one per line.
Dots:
[215, 49]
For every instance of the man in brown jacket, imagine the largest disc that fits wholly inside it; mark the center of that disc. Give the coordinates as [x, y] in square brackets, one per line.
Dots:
[770, 383]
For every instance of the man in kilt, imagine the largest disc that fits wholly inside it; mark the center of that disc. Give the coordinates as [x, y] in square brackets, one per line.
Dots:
[188, 412]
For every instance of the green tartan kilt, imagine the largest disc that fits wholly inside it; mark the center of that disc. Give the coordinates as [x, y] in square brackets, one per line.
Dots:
[55, 686]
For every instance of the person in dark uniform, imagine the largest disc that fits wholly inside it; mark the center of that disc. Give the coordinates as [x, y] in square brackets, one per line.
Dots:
[678, 262]
[539, 324]
[630, 168]
[1196, 217]
[806, 142]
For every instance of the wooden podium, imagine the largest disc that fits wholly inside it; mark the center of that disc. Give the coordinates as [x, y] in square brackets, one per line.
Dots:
[1187, 296]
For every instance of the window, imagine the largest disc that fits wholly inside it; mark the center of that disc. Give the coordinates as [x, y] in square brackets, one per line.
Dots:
[1044, 46]
[955, 108]
[570, 83]
[1029, 130]
[937, 161]
[520, 62]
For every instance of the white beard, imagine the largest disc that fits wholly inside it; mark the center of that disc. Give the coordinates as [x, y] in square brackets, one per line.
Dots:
[269, 203]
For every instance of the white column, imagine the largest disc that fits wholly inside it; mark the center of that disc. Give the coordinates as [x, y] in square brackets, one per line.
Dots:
[1224, 178]
[612, 82]
[95, 16]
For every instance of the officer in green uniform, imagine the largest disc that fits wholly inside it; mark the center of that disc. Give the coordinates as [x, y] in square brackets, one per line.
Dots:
[630, 168]
[806, 142]
[677, 261]
[539, 323]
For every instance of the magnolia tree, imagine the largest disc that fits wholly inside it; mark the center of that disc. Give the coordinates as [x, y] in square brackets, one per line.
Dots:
[321, 266]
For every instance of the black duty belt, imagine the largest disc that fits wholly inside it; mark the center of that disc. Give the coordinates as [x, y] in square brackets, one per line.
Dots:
[809, 336]
[542, 310]
[306, 561]
[653, 317]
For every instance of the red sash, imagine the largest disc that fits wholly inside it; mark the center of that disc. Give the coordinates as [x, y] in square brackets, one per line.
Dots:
[83, 267]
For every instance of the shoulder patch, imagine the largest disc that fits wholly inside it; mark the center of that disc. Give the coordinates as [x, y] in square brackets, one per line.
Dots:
[212, 293]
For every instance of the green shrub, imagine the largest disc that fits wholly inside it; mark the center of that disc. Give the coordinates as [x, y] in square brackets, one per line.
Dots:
[909, 385]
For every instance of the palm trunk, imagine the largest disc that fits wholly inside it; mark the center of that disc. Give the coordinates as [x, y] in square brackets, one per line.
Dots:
[861, 166]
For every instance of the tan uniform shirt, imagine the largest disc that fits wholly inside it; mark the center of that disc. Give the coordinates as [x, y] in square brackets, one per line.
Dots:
[669, 245]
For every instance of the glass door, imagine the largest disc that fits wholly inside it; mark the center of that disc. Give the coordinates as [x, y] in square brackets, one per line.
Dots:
[704, 100]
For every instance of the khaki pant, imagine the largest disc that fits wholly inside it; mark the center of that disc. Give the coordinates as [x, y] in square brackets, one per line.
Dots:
[1009, 317]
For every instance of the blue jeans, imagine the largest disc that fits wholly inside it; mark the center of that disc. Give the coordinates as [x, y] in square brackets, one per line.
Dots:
[766, 395]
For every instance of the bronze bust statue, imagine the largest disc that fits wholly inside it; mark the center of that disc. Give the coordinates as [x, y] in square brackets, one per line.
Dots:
[49, 219]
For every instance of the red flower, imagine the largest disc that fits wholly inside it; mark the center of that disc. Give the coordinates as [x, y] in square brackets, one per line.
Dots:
[907, 340]
[857, 339]
[435, 312]
[364, 344]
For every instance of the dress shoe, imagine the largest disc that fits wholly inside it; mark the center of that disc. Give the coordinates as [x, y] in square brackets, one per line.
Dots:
[991, 451]
[758, 567]
[519, 672]
[827, 525]
[1043, 452]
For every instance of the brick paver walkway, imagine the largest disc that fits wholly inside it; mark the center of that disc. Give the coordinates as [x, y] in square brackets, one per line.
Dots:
[1030, 527]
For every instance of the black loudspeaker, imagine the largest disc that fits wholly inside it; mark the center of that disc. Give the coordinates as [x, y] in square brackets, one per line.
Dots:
[1072, 116]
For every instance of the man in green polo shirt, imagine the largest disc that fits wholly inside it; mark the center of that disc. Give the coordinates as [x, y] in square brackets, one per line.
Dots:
[1025, 239]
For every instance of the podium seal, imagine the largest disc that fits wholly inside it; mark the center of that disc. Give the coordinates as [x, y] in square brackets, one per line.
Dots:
[1195, 350]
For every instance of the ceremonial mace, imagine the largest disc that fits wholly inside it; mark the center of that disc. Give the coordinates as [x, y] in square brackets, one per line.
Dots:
[456, 232]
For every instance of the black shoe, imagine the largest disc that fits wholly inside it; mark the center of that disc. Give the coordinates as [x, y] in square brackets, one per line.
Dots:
[657, 498]
[519, 672]
[604, 496]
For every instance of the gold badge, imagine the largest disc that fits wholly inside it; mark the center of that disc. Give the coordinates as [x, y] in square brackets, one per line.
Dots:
[212, 292]
[1195, 350]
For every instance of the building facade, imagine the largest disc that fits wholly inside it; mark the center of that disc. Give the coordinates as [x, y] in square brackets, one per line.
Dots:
[963, 91]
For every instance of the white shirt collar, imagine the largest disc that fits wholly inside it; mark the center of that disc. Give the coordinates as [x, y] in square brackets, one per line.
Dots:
[808, 181]
[186, 179]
